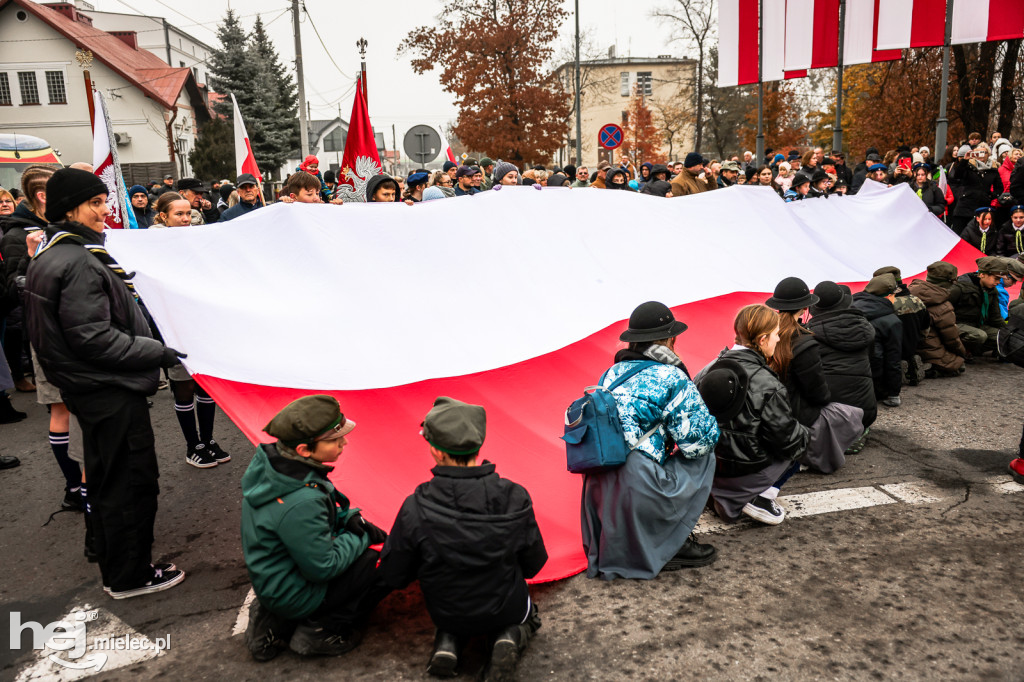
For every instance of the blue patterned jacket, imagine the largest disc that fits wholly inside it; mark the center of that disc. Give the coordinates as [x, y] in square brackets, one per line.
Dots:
[663, 392]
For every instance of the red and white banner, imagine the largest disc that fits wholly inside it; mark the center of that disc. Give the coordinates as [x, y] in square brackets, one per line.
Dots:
[360, 160]
[440, 299]
[106, 165]
[912, 23]
[447, 148]
[245, 160]
[737, 42]
[977, 21]
[860, 37]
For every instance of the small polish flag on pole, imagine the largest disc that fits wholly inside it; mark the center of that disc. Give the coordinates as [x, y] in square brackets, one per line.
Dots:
[449, 154]
[107, 167]
[245, 160]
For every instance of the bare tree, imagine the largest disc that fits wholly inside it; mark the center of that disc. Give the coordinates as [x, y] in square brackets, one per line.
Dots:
[693, 22]
[674, 109]
[595, 89]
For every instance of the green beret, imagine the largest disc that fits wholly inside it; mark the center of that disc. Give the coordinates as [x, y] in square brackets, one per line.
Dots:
[1014, 267]
[455, 427]
[309, 418]
[486, 162]
[882, 285]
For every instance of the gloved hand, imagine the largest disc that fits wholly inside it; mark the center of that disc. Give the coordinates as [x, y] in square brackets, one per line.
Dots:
[360, 526]
[171, 357]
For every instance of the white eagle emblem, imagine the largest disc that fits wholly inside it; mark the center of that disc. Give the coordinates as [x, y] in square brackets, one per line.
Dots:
[109, 178]
[366, 168]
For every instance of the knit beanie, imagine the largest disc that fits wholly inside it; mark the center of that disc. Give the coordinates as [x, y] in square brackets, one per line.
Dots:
[431, 193]
[692, 159]
[501, 169]
[137, 189]
[448, 165]
[67, 188]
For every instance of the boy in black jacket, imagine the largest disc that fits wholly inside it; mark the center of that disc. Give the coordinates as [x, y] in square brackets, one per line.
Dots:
[471, 539]
[876, 304]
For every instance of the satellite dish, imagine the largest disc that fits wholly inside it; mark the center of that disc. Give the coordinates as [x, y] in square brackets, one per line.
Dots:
[422, 144]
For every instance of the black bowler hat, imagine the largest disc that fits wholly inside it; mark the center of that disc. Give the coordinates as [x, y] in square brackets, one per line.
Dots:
[652, 321]
[831, 296]
[723, 389]
[791, 294]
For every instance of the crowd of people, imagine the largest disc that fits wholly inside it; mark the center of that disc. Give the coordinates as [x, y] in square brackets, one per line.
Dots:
[799, 389]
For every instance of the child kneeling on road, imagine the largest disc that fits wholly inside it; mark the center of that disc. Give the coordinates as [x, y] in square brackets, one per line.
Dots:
[306, 551]
[471, 539]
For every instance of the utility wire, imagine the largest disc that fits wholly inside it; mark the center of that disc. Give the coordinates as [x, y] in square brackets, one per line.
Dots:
[328, 52]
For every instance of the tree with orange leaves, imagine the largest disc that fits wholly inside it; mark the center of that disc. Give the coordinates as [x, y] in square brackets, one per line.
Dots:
[641, 139]
[783, 119]
[493, 57]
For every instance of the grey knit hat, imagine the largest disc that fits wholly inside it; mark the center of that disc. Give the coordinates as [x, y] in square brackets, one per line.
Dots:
[501, 169]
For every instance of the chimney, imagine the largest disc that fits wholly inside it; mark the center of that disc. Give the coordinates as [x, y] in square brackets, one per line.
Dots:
[69, 11]
[129, 38]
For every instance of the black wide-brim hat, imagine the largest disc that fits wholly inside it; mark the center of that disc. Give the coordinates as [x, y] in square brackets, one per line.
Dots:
[723, 389]
[791, 294]
[652, 321]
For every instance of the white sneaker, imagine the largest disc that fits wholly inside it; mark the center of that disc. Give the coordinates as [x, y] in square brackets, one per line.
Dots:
[765, 511]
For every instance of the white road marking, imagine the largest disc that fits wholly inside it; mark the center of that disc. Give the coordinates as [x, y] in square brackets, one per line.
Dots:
[59, 661]
[844, 499]
[242, 622]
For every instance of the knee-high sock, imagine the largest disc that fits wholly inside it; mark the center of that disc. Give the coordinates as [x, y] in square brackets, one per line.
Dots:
[69, 467]
[186, 413]
[206, 410]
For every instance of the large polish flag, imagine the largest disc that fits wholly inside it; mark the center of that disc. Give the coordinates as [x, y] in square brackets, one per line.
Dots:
[913, 23]
[387, 306]
[978, 21]
[812, 34]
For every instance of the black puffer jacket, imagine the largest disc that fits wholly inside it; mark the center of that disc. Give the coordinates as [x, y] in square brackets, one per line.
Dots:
[472, 540]
[1008, 240]
[974, 305]
[931, 195]
[845, 341]
[973, 188]
[805, 379]
[84, 323]
[14, 256]
[888, 348]
[972, 235]
[765, 430]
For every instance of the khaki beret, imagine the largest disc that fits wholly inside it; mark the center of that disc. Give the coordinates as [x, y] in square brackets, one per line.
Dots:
[455, 427]
[313, 417]
[882, 285]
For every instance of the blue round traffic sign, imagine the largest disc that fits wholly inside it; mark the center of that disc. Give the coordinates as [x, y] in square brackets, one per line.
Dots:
[610, 136]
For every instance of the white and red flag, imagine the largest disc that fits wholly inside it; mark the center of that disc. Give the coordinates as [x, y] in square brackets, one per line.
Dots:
[107, 167]
[450, 302]
[245, 160]
[812, 34]
[978, 21]
[360, 160]
[448, 153]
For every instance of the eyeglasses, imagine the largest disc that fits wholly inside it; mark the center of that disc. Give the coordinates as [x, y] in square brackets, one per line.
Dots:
[446, 183]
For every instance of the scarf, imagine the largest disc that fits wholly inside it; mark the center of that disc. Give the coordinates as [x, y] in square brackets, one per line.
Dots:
[656, 352]
[75, 234]
[1017, 238]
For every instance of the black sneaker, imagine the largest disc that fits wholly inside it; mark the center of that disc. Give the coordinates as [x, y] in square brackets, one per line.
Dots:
[217, 452]
[72, 501]
[445, 658]
[765, 511]
[311, 639]
[504, 656]
[267, 633]
[692, 554]
[200, 457]
[162, 580]
[164, 567]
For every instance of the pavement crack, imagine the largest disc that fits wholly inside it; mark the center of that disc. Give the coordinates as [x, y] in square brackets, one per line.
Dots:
[967, 496]
[923, 462]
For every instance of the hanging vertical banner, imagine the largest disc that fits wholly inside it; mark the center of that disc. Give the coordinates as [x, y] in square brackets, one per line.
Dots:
[737, 42]
[910, 23]
[800, 34]
[773, 44]
[106, 165]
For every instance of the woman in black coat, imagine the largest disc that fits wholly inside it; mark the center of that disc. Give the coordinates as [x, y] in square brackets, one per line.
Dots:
[845, 339]
[975, 184]
[797, 360]
[929, 192]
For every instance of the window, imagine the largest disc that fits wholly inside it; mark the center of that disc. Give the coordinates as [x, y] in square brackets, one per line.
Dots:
[644, 82]
[624, 84]
[55, 87]
[335, 141]
[5, 91]
[29, 87]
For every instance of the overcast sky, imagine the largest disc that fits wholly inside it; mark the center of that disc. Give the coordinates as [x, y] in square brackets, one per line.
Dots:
[397, 96]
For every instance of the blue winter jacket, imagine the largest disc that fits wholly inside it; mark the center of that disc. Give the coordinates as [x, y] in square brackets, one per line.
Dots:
[663, 392]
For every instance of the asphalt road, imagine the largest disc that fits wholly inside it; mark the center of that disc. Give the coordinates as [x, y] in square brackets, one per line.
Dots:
[912, 590]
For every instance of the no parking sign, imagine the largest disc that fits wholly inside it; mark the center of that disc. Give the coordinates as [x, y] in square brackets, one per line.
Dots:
[610, 136]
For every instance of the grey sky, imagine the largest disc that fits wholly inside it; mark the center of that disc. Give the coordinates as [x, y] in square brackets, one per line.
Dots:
[397, 96]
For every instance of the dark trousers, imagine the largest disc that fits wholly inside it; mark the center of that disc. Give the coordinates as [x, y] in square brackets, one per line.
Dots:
[121, 468]
[351, 596]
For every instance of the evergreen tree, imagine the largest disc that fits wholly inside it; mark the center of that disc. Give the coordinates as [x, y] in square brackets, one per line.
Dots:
[283, 88]
[214, 154]
[229, 71]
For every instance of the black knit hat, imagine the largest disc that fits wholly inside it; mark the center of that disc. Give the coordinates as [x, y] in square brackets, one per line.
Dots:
[67, 188]
[791, 294]
[652, 321]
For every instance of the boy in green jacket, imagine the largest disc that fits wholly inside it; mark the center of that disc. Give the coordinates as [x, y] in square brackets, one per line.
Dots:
[306, 551]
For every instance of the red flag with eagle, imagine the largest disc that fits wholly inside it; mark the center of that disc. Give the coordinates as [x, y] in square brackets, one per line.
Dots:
[107, 167]
[360, 161]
